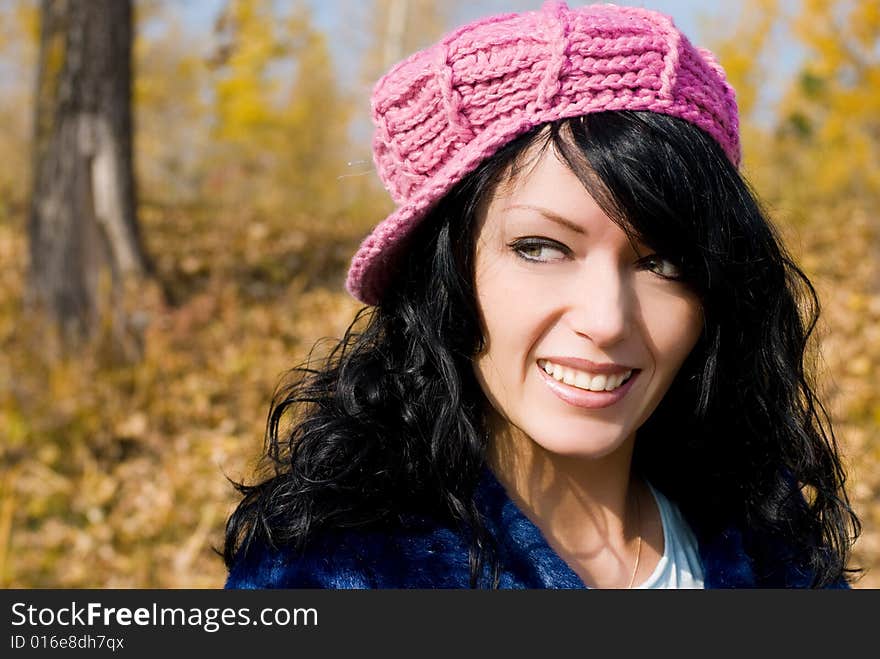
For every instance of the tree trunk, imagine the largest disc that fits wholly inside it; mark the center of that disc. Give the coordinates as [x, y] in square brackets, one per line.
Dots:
[86, 253]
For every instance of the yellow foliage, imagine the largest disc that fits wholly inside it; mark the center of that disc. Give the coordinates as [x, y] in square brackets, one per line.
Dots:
[245, 94]
[19, 24]
[28, 19]
[19, 36]
[172, 119]
[280, 116]
[741, 53]
[823, 147]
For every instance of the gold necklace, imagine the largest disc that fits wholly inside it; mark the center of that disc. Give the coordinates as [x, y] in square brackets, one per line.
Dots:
[639, 550]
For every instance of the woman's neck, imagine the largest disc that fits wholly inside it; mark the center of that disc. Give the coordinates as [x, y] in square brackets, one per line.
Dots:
[585, 507]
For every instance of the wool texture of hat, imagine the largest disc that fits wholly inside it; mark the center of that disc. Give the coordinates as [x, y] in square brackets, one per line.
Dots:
[443, 110]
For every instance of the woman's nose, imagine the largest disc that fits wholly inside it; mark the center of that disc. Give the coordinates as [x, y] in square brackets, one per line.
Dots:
[600, 306]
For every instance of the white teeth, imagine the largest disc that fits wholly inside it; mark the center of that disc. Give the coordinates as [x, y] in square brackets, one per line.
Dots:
[598, 383]
[582, 379]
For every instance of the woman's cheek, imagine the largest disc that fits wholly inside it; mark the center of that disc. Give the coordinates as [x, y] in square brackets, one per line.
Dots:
[673, 322]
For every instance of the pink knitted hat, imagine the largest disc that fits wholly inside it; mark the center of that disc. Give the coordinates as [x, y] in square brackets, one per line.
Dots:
[443, 110]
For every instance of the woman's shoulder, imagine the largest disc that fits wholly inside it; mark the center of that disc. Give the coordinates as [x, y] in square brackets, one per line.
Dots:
[739, 556]
[782, 563]
[414, 552]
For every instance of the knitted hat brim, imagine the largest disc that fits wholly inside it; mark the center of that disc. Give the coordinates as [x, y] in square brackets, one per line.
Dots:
[376, 260]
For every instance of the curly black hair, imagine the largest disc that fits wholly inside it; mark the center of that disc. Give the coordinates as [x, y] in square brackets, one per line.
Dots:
[394, 421]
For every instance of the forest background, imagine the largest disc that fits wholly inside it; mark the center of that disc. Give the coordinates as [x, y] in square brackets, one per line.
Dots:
[255, 185]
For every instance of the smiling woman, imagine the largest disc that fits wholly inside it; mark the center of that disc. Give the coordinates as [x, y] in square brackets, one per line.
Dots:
[598, 332]
[582, 359]
[600, 328]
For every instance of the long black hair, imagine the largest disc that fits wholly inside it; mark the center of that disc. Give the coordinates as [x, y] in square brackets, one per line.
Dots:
[394, 421]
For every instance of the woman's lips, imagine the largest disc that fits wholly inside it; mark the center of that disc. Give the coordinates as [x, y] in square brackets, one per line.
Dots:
[582, 397]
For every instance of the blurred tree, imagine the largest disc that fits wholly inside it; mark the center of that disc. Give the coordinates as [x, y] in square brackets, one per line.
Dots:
[171, 112]
[86, 252]
[400, 27]
[19, 34]
[816, 149]
[828, 133]
[744, 54]
[379, 34]
[281, 115]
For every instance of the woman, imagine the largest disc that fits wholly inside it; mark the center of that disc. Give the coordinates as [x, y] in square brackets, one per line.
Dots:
[582, 363]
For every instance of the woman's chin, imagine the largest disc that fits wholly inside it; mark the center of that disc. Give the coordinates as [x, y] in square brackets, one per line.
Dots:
[587, 446]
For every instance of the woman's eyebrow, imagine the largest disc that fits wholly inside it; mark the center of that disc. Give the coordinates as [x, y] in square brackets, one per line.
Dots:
[550, 215]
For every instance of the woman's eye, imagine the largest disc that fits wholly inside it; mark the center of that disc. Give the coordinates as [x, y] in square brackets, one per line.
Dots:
[540, 251]
[663, 267]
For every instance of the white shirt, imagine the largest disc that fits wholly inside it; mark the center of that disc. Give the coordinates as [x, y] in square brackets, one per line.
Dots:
[680, 565]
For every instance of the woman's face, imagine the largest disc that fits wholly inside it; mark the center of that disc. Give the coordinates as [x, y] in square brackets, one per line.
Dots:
[569, 308]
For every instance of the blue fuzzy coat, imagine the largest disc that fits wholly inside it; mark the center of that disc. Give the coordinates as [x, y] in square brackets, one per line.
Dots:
[423, 554]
